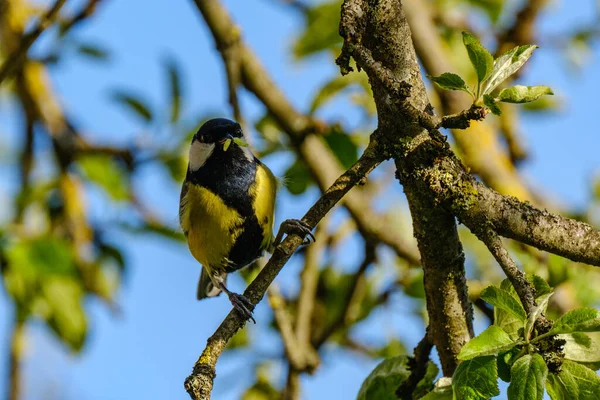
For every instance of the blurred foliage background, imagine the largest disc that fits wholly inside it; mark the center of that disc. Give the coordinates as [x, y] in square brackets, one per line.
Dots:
[75, 199]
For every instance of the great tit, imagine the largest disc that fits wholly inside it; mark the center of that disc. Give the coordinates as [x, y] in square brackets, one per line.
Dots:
[226, 208]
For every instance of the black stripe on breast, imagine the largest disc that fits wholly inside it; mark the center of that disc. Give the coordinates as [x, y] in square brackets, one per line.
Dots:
[247, 246]
[229, 175]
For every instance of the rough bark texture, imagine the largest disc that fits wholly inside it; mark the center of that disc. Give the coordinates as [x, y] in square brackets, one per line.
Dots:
[387, 36]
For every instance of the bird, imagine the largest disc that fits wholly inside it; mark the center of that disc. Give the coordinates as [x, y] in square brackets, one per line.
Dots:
[226, 209]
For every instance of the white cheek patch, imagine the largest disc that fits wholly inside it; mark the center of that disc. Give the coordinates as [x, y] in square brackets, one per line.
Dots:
[199, 153]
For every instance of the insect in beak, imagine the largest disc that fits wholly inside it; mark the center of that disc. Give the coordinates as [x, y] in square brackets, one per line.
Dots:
[226, 142]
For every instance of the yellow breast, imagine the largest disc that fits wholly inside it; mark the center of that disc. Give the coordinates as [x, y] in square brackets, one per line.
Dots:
[212, 226]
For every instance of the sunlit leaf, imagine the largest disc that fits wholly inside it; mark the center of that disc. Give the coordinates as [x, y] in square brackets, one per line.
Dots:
[542, 305]
[528, 378]
[578, 320]
[476, 379]
[321, 32]
[106, 172]
[490, 103]
[449, 81]
[581, 348]
[442, 390]
[503, 300]
[66, 316]
[481, 59]
[506, 65]
[523, 94]
[383, 381]
[574, 381]
[491, 341]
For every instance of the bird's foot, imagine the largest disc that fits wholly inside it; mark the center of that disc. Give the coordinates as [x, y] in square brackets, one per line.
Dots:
[242, 305]
[298, 227]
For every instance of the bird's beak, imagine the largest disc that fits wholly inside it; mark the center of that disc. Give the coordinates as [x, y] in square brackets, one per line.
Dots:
[226, 142]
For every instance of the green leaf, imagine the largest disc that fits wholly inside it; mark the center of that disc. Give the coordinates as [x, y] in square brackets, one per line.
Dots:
[505, 362]
[426, 383]
[382, 382]
[581, 348]
[490, 103]
[343, 147]
[106, 172]
[174, 81]
[503, 300]
[528, 378]
[442, 390]
[578, 320]
[65, 314]
[134, 104]
[448, 81]
[506, 65]
[493, 8]
[476, 379]
[523, 94]
[30, 262]
[491, 341]
[329, 90]
[297, 178]
[93, 51]
[573, 382]
[321, 32]
[481, 59]
[541, 286]
[537, 311]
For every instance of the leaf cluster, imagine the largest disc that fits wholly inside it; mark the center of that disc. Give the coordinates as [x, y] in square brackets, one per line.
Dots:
[491, 74]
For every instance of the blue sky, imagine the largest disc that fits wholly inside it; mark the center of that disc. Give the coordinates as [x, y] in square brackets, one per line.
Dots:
[149, 349]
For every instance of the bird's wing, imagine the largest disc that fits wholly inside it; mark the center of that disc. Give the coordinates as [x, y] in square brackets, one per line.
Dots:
[183, 217]
[265, 192]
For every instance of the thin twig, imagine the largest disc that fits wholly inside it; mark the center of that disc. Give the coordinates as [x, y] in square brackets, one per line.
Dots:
[15, 59]
[522, 286]
[15, 353]
[418, 367]
[86, 12]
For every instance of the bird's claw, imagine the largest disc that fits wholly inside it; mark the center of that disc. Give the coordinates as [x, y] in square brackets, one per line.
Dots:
[242, 305]
[299, 228]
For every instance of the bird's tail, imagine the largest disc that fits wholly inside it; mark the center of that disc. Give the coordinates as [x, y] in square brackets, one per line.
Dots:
[206, 288]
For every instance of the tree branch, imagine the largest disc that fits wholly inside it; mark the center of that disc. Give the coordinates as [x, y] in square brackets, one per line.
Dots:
[522, 286]
[386, 53]
[16, 58]
[199, 384]
[418, 366]
[15, 353]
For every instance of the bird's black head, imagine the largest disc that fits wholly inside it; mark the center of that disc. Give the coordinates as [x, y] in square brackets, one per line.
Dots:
[218, 130]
